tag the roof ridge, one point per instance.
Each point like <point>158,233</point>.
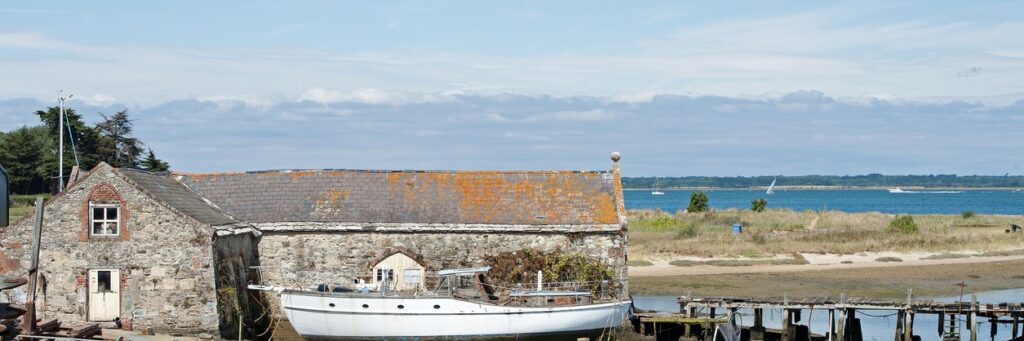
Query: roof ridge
<point>413,171</point>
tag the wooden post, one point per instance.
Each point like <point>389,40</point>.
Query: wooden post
<point>29,319</point>
<point>841,333</point>
<point>900,316</point>
<point>1016,322</point>
<point>787,326</point>
<point>712,313</point>
<point>908,329</point>
<point>972,326</point>
<point>831,325</point>
<point>757,331</point>
<point>971,321</point>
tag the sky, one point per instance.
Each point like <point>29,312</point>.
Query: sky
<point>679,88</point>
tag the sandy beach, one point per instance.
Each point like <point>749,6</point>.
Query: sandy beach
<point>863,278</point>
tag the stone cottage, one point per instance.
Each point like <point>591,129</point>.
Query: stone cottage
<point>137,248</point>
<point>172,250</point>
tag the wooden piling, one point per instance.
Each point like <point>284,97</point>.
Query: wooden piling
<point>787,326</point>
<point>831,325</point>
<point>757,331</point>
<point>1016,323</point>
<point>900,315</point>
<point>973,317</point>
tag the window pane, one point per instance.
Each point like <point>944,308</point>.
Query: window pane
<point>112,227</point>
<point>103,281</point>
<point>379,275</point>
<point>97,228</point>
<point>97,213</point>
<point>412,276</point>
<point>111,213</point>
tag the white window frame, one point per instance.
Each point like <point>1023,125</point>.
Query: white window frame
<point>380,275</point>
<point>105,220</point>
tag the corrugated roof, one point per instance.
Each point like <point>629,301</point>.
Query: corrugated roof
<point>456,197</point>
<point>168,190</point>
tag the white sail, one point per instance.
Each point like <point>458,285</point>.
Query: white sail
<point>656,191</point>
<point>771,188</point>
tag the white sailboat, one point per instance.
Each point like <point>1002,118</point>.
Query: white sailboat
<point>450,311</point>
<point>656,191</point>
<point>771,188</point>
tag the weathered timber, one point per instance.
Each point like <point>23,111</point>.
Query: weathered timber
<point>86,330</point>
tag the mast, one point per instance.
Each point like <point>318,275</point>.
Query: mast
<point>60,132</point>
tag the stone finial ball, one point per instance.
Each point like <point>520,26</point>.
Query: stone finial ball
<point>616,156</point>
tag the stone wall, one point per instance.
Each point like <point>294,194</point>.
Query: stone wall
<point>167,277</point>
<point>306,259</point>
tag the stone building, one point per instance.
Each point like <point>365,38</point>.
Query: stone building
<point>138,248</point>
<point>177,246</point>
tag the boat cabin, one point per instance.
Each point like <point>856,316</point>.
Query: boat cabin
<point>401,272</point>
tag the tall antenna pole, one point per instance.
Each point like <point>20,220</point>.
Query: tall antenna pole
<point>60,153</point>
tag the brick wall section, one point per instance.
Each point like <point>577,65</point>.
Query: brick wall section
<point>166,262</point>
<point>105,192</point>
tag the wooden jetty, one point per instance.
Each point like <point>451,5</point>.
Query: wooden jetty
<point>698,317</point>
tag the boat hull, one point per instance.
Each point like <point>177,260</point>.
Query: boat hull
<point>333,316</point>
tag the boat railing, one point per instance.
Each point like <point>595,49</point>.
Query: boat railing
<point>443,283</point>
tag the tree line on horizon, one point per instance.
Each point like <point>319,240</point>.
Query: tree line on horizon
<point>30,153</point>
<point>869,180</point>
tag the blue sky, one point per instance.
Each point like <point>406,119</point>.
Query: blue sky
<point>680,88</point>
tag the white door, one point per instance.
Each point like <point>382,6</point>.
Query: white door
<point>104,294</point>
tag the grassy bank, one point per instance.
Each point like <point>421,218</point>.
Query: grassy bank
<point>22,205</point>
<point>661,235</point>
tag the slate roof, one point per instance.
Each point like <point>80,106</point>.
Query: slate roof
<point>452,197</point>
<point>168,190</point>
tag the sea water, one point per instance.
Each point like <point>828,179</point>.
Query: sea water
<point>875,324</point>
<point>854,200</point>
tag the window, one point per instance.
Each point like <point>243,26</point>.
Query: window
<point>390,274</point>
<point>412,276</point>
<point>103,283</point>
<point>104,219</point>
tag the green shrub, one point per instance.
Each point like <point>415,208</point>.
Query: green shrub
<point>903,224</point>
<point>758,205</point>
<point>968,214</point>
<point>687,231</point>
<point>698,202</point>
<point>888,259</point>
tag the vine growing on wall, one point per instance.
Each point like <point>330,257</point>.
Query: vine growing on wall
<point>520,268</point>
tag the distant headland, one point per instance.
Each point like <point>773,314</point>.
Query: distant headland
<point>830,181</point>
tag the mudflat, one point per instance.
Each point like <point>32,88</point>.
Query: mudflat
<point>866,281</point>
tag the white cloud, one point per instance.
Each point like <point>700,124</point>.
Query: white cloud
<point>98,99</point>
<point>368,96</point>
<point>583,115</point>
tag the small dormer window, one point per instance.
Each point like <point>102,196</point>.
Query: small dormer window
<point>104,219</point>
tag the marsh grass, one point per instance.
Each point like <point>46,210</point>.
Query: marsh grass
<point>888,259</point>
<point>796,259</point>
<point>784,231</point>
<point>946,255</point>
<point>639,263</point>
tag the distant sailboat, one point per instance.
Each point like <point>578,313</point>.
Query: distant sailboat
<point>771,188</point>
<point>656,191</point>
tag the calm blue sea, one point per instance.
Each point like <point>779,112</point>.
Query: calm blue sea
<point>853,200</point>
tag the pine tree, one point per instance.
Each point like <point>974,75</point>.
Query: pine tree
<point>21,153</point>
<point>117,146</point>
<point>152,164</point>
